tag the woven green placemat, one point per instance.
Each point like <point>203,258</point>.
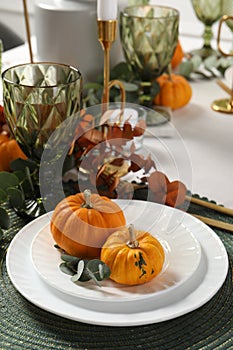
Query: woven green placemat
<point>25,326</point>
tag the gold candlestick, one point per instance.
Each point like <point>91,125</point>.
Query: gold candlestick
<point>107,35</point>
<point>26,17</point>
<point>224,105</point>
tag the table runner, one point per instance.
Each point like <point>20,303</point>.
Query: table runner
<point>25,326</point>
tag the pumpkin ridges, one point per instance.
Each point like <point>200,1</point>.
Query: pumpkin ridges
<point>132,264</point>
<point>83,231</point>
<point>175,91</point>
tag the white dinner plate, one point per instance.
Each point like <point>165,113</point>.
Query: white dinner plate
<point>182,260</point>
<point>212,273</point>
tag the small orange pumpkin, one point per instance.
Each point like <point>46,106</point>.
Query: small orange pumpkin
<point>9,151</point>
<point>81,223</point>
<point>133,256</point>
<point>175,91</point>
<point>177,56</point>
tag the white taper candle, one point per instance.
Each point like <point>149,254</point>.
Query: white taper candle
<point>106,10</point>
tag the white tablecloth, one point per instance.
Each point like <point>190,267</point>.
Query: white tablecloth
<point>197,147</point>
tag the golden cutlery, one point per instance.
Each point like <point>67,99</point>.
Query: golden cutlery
<point>215,223</point>
<point>210,205</point>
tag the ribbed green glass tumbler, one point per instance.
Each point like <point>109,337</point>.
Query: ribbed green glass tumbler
<point>208,12</point>
<point>149,36</point>
<point>37,98</point>
<point>228,10</point>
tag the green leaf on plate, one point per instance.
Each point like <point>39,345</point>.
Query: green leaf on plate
<point>99,269</point>
<point>4,219</point>
<point>8,180</point>
<point>80,268</point>
<point>63,267</point>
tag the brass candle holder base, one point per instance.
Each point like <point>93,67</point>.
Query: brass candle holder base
<point>223,106</point>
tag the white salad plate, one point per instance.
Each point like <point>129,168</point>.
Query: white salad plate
<point>182,260</point>
<point>194,289</point>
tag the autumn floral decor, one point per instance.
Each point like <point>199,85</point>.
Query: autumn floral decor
<point>107,162</point>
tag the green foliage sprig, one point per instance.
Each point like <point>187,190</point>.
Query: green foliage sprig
<point>82,270</point>
<point>20,190</point>
<point>193,67</point>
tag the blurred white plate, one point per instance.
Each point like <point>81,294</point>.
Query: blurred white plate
<point>210,277</point>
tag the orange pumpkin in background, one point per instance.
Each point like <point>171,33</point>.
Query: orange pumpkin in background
<point>81,223</point>
<point>177,56</point>
<point>9,151</point>
<point>133,256</point>
<point>175,91</point>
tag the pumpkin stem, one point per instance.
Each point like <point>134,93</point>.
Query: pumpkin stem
<point>169,71</point>
<point>87,204</point>
<point>133,243</point>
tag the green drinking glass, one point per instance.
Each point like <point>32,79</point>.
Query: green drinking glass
<point>208,12</point>
<point>37,98</point>
<point>149,36</point>
<point>227,9</point>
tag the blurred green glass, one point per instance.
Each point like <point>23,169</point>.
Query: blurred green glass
<point>149,36</point>
<point>208,12</point>
<point>37,98</point>
<point>227,9</point>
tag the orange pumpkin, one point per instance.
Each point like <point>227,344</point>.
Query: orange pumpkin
<point>175,91</point>
<point>81,223</point>
<point>133,256</point>
<point>9,151</point>
<point>177,56</point>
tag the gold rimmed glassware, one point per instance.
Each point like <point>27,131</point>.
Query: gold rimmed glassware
<point>208,12</point>
<point>149,36</point>
<point>37,98</point>
<point>227,9</point>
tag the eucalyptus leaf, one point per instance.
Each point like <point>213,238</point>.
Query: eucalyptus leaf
<point>3,196</point>
<point>21,164</point>
<point>65,269</point>
<point>70,258</point>
<point>16,198</point>
<point>93,277</point>
<point>4,219</point>
<point>210,62</point>
<point>20,175</point>
<point>130,87</point>
<point>196,61</point>
<point>8,180</point>
<point>80,269</point>
<point>94,267</point>
<point>186,68</point>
